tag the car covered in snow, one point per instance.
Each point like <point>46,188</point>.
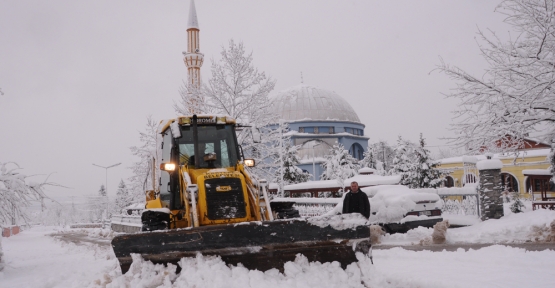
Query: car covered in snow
<point>398,208</point>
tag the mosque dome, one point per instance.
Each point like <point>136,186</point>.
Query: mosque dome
<point>304,102</point>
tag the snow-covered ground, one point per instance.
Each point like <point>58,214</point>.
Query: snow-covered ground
<point>34,259</point>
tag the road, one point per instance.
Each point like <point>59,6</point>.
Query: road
<point>80,238</point>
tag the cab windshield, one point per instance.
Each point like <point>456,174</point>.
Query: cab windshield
<point>217,146</point>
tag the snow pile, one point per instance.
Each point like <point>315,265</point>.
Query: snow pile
<point>533,226</point>
<point>211,271</point>
<point>339,222</point>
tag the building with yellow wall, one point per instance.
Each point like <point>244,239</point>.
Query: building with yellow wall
<point>462,170</point>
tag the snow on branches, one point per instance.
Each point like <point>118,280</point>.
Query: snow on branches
<point>516,95</point>
<point>16,193</point>
<point>142,169</point>
<point>415,166</point>
<point>339,165</point>
<point>291,174</point>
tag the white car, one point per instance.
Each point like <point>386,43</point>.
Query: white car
<point>398,208</point>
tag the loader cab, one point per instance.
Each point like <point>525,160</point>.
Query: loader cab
<point>217,146</point>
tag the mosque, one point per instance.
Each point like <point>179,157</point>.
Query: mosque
<point>318,118</point>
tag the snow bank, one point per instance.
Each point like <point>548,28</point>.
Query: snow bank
<point>211,271</point>
<point>339,222</point>
<point>512,228</point>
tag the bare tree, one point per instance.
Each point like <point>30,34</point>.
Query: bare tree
<point>516,95</point>
<point>16,193</point>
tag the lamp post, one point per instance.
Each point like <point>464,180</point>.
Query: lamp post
<point>107,167</point>
<point>314,163</point>
<point>107,173</point>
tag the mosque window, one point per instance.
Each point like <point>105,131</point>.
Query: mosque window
<point>324,130</point>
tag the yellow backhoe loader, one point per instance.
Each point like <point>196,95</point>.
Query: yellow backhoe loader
<point>207,202</point>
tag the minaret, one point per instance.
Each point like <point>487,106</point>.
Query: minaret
<point>193,58</point>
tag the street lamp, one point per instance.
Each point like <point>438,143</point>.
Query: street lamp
<point>107,173</point>
<point>313,163</point>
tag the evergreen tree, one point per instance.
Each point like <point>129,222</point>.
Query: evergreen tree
<point>102,191</point>
<point>369,159</point>
<point>403,162</point>
<point>339,165</point>
<point>122,196</point>
<point>517,206</point>
<point>426,174</point>
<point>291,173</point>
<point>415,166</point>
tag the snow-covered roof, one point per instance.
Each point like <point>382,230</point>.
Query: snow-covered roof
<point>304,102</point>
<point>523,153</point>
<point>193,20</point>
<point>363,180</point>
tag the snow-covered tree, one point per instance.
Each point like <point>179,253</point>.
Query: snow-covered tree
<point>426,174</point>
<point>404,161</point>
<point>102,191</point>
<point>516,94</point>
<point>369,159</point>
<point>517,206</point>
<point>236,88</point>
<point>141,180</point>
<point>384,154</point>
<point>122,197</point>
<point>16,193</point>
<point>339,165</point>
<point>291,173</point>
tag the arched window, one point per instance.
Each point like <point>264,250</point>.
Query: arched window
<point>357,151</point>
<point>509,182</point>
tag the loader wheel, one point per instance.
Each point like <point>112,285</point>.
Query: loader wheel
<point>285,210</point>
<point>153,220</point>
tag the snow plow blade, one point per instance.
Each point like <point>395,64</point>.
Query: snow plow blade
<point>257,245</point>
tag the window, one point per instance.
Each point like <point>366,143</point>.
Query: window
<point>449,182</point>
<point>509,183</point>
<point>212,139</point>
<point>332,130</point>
<point>308,129</point>
<point>315,130</point>
<point>323,130</point>
<point>301,129</point>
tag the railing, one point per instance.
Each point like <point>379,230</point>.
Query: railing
<point>126,223</point>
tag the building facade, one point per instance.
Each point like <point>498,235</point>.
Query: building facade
<point>317,120</point>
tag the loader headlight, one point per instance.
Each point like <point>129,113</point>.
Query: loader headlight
<point>249,162</point>
<point>167,166</point>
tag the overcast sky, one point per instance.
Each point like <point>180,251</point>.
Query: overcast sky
<point>80,77</point>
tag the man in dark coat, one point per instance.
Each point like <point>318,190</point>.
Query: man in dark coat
<point>356,201</point>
